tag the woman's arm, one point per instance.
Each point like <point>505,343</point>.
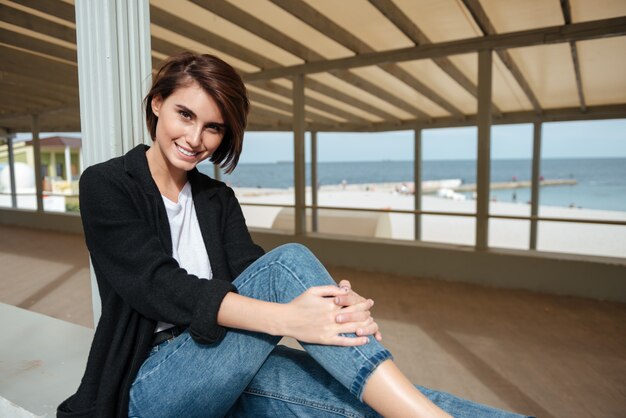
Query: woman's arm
<point>311,317</point>
<point>319,315</point>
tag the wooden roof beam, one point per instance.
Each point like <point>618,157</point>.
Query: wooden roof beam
<point>37,24</point>
<point>265,31</point>
<point>37,45</point>
<point>549,115</point>
<point>567,16</point>
<point>38,67</point>
<point>322,24</point>
<point>167,20</point>
<point>56,8</point>
<point>543,36</point>
<point>485,25</point>
<point>167,48</point>
<point>400,20</point>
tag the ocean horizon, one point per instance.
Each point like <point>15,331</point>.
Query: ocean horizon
<point>601,182</point>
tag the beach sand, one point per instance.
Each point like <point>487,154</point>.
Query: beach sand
<point>566,237</point>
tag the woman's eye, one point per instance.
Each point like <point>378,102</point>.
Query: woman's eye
<point>214,128</point>
<point>184,114</point>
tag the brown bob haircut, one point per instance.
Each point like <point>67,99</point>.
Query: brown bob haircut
<point>221,82</point>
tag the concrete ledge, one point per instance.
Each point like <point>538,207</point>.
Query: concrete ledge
<point>601,278</point>
<point>43,360</point>
<point>60,222</point>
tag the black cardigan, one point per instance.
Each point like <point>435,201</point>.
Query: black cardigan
<point>128,236</point>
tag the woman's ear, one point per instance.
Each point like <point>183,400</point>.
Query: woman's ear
<point>156,103</point>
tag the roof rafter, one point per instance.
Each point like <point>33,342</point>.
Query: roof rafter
<point>322,24</point>
<point>35,23</point>
<point>567,16</point>
<point>555,34</point>
<point>37,45</point>
<point>37,67</point>
<point>265,31</point>
<point>549,115</point>
<point>164,19</point>
<point>54,8</point>
<point>167,48</point>
<point>396,16</point>
<point>485,25</point>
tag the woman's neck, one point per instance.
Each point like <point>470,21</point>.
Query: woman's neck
<point>169,180</point>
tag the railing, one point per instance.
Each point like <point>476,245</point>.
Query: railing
<point>417,213</point>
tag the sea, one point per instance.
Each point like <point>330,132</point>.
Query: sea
<point>600,182</point>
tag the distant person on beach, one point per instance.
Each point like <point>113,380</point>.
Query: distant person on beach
<point>192,309</point>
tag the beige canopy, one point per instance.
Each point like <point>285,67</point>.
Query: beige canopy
<point>554,60</point>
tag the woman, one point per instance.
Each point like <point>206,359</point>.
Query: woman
<point>184,335</point>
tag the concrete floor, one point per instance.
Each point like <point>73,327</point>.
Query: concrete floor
<point>543,355</point>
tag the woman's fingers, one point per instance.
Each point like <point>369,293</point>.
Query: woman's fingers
<point>349,299</point>
<point>347,314</point>
<point>326,291</point>
<point>345,283</point>
<point>359,316</point>
<point>363,328</point>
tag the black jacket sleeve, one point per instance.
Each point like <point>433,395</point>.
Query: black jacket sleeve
<point>241,251</point>
<point>126,252</point>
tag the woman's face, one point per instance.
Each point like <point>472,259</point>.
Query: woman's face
<point>189,127</point>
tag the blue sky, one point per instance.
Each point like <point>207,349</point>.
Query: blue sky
<point>560,140</point>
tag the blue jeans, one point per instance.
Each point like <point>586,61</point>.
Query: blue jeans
<point>247,374</point>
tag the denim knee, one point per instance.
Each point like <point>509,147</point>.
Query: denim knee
<point>292,251</point>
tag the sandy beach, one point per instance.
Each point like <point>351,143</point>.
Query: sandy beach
<point>591,239</point>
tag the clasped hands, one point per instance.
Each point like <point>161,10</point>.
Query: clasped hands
<point>323,314</point>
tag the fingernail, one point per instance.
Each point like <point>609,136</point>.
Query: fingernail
<point>339,318</point>
<point>337,300</point>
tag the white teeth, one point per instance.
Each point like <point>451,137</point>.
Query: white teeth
<point>187,153</point>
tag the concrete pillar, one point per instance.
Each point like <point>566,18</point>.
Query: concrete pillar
<point>37,164</point>
<point>298,156</point>
<point>484,148</point>
<point>217,173</point>
<point>114,75</point>
<point>417,181</point>
<point>535,184</point>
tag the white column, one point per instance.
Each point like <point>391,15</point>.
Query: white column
<point>114,74</point>
<point>68,164</point>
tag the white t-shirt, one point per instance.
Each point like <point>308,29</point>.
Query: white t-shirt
<point>187,243</point>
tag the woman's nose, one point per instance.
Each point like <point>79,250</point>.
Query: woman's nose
<point>194,137</point>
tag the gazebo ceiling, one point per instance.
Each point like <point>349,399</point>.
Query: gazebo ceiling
<point>548,65</point>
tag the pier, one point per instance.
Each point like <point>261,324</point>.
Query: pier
<point>432,186</point>
<point>517,185</point>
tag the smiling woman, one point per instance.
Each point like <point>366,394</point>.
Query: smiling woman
<point>192,309</point>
